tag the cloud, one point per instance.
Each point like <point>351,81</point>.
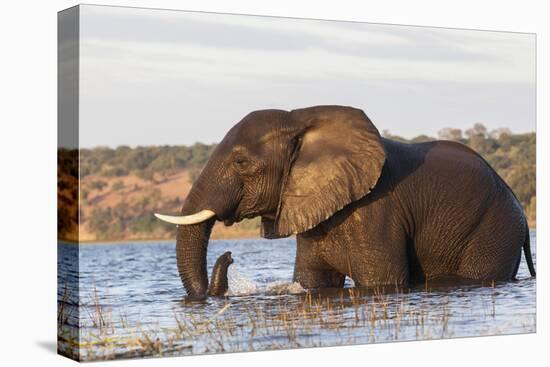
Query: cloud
<point>145,64</point>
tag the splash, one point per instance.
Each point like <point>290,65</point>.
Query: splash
<point>285,288</point>
<point>240,285</point>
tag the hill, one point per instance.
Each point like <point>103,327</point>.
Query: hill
<point>122,187</point>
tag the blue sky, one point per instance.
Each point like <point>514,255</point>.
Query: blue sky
<point>152,77</point>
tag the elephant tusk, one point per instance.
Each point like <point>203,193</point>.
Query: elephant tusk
<point>187,219</point>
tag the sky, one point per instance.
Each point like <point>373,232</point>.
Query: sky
<point>155,77</point>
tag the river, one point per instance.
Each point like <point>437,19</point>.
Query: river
<point>130,300</point>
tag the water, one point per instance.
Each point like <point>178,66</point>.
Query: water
<point>131,304</point>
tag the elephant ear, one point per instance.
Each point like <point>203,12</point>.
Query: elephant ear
<point>337,159</point>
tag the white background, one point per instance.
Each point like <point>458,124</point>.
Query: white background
<point>28,181</point>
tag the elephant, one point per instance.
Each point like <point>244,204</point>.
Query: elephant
<point>219,283</point>
<point>378,211</point>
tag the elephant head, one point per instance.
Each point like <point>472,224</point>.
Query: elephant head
<point>294,169</point>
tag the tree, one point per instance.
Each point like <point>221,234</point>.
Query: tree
<point>119,185</point>
<point>98,185</point>
<point>505,141</point>
<point>497,133</point>
<point>531,210</point>
<point>100,219</point>
<point>450,133</point>
<point>477,129</point>
<point>115,171</point>
<point>387,134</point>
<point>146,174</point>
<point>482,145</point>
<point>422,139</point>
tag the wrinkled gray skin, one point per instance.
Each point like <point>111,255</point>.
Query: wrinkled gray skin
<point>219,284</point>
<point>379,211</point>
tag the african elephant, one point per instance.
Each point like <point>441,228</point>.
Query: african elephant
<point>219,283</point>
<point>379,211</point>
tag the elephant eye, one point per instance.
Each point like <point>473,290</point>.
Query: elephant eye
<point>240,161</point>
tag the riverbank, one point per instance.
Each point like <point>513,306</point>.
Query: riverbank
<point>219,232</point>
<point>240,235</point>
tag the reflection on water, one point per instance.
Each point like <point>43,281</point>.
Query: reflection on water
<point>131,304</point>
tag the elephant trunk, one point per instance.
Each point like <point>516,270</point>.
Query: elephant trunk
<point>191,248</point>
<point>208,203</point>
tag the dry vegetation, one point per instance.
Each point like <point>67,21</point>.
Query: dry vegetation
<point>67,194</point>
<point>122,187</point>
<point>309,320</point>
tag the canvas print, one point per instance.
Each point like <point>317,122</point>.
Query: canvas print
<point>238,183</point>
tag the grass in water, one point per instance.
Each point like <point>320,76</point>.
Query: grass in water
<point>351,316</point>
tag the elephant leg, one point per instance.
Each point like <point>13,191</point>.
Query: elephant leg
<point>311,271</point>
<point>494,251</point>
<point>516,268</point>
